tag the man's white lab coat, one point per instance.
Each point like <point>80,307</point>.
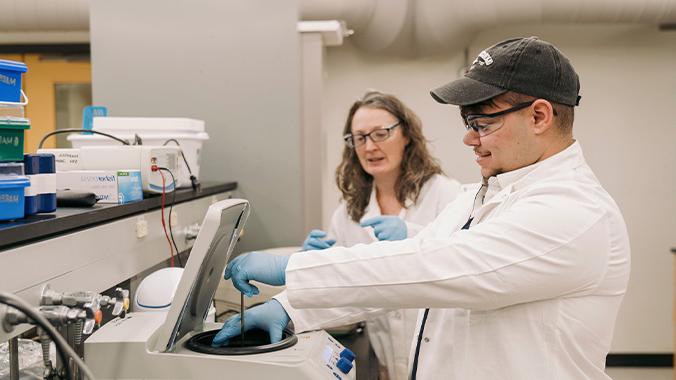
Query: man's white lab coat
<point>530,291</point>
<point>391,334</point>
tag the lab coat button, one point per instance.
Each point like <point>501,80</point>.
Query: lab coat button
<point>347,354</point>
<point>344,365</point>
<point>427,340</point>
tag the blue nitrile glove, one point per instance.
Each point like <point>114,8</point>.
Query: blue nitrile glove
<point>387,227</point>
<point>262,267</point>
<point>314,241</point>
<point>270,317</point>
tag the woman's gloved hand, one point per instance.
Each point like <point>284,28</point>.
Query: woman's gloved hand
<point>262,267</point>
<point>270,317</point>
<point>315,241</point>
<point>387,227</point>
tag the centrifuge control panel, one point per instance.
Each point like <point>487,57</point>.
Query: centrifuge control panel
<point>337,359</point>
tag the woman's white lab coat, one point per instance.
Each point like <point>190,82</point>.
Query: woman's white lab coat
<point>530,291</point>
<point>391,334</point>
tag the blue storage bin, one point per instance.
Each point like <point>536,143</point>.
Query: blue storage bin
<point>40,196</point>
<point>10,80</point>
<point>12,197</point>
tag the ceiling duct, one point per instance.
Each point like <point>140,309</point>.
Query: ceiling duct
<point>44,15</point>
<point>409,27</point>
<point>44,21</point>
<point>414,27</point>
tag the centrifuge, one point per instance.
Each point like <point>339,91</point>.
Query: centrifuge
<point>177,344</point>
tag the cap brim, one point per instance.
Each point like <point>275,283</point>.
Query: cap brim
<point>465,91</point>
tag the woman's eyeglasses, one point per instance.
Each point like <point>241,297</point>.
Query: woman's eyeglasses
<point>376,135</point>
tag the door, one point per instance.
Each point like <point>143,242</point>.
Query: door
<point>57,87</point>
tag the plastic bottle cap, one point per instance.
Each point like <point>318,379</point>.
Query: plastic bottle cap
<point>347,354</point>
<point>344,365</point>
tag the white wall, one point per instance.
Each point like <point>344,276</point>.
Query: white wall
<point>234,64</point>
<point>625,124</point>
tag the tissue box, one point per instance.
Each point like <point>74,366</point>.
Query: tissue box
<point>110,186</point>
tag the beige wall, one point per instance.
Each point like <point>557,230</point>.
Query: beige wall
<point>625,124</point>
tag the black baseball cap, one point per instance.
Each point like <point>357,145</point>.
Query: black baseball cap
<point>529,66</point>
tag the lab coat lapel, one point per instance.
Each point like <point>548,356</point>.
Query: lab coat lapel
<point>491,204</point>
<point>372,210</point>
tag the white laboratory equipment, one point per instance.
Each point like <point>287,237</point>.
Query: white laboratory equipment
<point>177,344</point>
<point>156,292</point>
<point>189,134</point>
<point>124,157</point>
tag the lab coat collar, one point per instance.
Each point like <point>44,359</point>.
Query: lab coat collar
<point>569,157</point>
<point>373,209</point>
<point>500,186</point>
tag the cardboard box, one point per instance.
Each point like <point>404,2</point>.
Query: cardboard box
<point>110,186</point>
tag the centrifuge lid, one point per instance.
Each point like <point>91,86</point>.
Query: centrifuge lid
<point>203,271</point>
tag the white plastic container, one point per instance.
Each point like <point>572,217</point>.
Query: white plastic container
<point>189,133</point>
<point>156,292</point>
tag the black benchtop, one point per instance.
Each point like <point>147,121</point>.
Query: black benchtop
<point>41,226</point>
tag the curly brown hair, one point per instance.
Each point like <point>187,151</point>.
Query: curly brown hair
<point>417,165</point>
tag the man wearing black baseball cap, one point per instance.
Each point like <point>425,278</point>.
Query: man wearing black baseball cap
<point>515,76</point>
<point>522,279</point>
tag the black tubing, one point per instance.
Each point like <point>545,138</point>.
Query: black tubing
<point>255,342</point>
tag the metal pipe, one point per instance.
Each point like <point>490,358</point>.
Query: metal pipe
<point>14,358</point>
<point>241,317</point>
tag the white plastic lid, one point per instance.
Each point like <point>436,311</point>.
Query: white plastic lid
<point>144,136</point>
<point>156,291</point>
<point>148,124</point>
<point>14,120</point>
<point>11,169</point>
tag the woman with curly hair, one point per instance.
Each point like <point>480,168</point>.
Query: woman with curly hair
<point>391,188</point>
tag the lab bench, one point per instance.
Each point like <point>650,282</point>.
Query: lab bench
<point>98,247</point>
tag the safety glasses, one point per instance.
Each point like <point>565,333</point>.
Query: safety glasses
<point>485,124</point>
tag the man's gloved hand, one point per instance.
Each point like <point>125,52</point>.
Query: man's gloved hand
<point>262,267</point>
<point>387,227</point>
<point>270,317</point>
<point>314,241</point>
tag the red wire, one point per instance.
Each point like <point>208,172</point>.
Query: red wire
<point>171,248</point>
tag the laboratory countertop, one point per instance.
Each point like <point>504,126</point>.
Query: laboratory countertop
<point>41,226</point>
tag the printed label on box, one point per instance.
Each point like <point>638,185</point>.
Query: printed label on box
<point>110,186</point>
